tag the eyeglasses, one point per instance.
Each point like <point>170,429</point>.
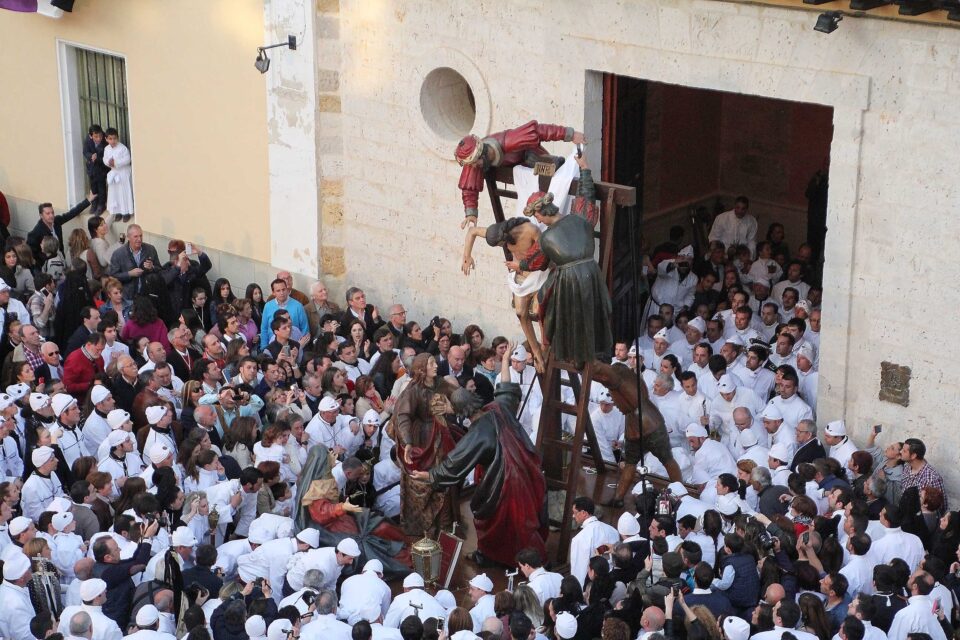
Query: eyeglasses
<point>54,353</point>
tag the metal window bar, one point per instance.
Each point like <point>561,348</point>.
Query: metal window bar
<point>102,92</point>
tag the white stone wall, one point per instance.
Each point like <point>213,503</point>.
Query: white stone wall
<point>894,87</point>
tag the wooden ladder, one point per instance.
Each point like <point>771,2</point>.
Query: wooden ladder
<point>551,441</point>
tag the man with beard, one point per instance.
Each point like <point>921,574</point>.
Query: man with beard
<point>675,284</point>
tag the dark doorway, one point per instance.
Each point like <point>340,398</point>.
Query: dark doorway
<point>690,152</point>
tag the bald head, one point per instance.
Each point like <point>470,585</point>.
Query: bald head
<point>83,568</point>
<point>652,619</point>
<point>156,352</point>
<point>205,415</point>
<point>774,594</point>
<point>456,356</point>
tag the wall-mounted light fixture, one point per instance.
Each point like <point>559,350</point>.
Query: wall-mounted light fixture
<point>262,63</point>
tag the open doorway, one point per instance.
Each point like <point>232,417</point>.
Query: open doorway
<point>691,153</point>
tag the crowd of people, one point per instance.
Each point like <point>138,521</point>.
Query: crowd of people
<point>177,456</point>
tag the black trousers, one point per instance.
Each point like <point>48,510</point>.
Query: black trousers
<point>98,184</point>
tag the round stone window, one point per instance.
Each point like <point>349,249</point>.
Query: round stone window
<point>447,104</point>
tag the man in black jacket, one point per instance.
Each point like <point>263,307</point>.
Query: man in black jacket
<point>96,171</point>
<point>51,224</point>
<point>202,574</point>
<point>808,446</point>
<point>134,260</point>
<point>116,572</point>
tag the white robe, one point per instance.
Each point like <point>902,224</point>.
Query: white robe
<point>360,589</point>
<point>715,459</point>
<point>324,559</point>
<point>897,543</point>
<point>38,492</point>
<point>119,179</point>
<point>842,452</point>
<point>544,583</point>
<point>71,444</point>
<point>481,611</point>
<point>326,627</point>
<point>593,533</point>
<point>723,410</point>
<point>608,428</point>
<point>672,414</point>
<point>916,617</point>
<point>761,381</point>
<point>103,627</point>
<point>386,473</point>
<point>16,613</point>
<point>95,431</point>
<point>270,560</point>
<point>400,608</point>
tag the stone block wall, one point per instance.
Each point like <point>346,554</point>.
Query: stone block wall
<point>893,87</point>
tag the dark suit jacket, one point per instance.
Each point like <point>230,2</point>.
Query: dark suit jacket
<point>40,230</point>
<point>716,601</point>
<point>443,369</point>
<point>95,168</point>
<point>123,261</point>
<point>124,393</point>
<point>371,325</point>
<point>179,365</point>
<point>808,453</point>
<point>76,341</point>
<point>203,577</point>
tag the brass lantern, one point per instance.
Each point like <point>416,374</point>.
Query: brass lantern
<point>426,555</point>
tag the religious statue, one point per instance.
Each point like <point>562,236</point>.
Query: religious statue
<point>508,503</point>
<point>423,438</point>
<point>622,384</point>
<point>319,506</point>
<point>503,149</point>
<point>574,302</point>
<point>522,239</point>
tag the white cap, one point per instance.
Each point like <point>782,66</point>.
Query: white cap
<point>736,628</point>
<point>446,600</point>
<point>255,626</point>
<point>604,397</point>
<point>413,581</point>
<point>696,430</point>
<point>18,525</point>
<point>762,281</point>
<point>725,384</point>
<point>728,504</point>
<point>39,401</point>
<point>736,340</point>
<point>748,438</point>
<point>310,537</point>
<point>770,412</point>
<point>61,402</point>
<point>482,582</point>
<point>780,452</point>
<point>806,350</point>
<point>371,417</point>
<point>632,351</point>
<point>661,335</point>
<point>59,505</point>
<point>366,609</point>
<point>15,566</point>
<point>258,533</point>
<point>19,390</point>
<point>279,629</point>
<point>686,252</point>
<point>519,354</point>
<point>677,489</point>
<point>62,520</point>
<point>90,589</point>
<point>147,615</point>
<point>328,404</point>
<point>183,537</point>
<point>565,626</point>
<point>627,524</point>
<point>698,324</point>
<point>41,455</point>
<point>373,565</point>
<point>155,413</point>
<point>349,547</point>
<point>99,393</point>
<point>803,304</point>
<point>464,634</point>
<point>5,401</point>
<point>117,418</point>
<point>837,429</point>
<point>159,452</point>
<point>116,438</point>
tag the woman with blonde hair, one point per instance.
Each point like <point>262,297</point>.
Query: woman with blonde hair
<point>526,601</point>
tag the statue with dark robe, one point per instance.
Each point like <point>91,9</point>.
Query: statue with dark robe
<point>508,504</point>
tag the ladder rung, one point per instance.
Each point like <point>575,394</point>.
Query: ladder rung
<point>558,442</point>
<point>565,366</point>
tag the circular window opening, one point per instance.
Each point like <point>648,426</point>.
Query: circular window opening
<point>447,104</point>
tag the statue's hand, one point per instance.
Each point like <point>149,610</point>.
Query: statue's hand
<point>468,221</point>
<point>468,265</point>
<point>420,476</point>
<point>579,138</point>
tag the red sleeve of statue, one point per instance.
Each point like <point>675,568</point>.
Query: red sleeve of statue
<point>471,184</point>
<point>535,260</point>
<point>324,512</point>
<point>530,135</point>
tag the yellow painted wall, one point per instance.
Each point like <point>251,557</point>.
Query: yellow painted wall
<point>197,113</point>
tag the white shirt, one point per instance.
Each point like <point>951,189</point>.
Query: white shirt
<point>228,553</point>
<point>672,417</point>
<point>95,431</point>
<point>722,409</point>
<point>692,407</point>
<point>481,611</point>
<point>759,454</point>
<point>103,627</point>
<point>17,611</point>
<point>842,451</point>
<point>777,632</point>
<point>339,433</point>
<point>544,583</point>
<point>897,543</point>
<point>38,492</point>
<point>593,533</point>
<point>400,608</point>
<point>715,459</point>
<point>360,589</point>
<point>324,559</point>
<point>326,627</point>
<point>669,289</point>
<point>360,368</point>
<point>386,473</point>
<point>71,443</point>
<point>809,386</point>
<point>916,617</point>
<point>270,559</point>
<point>149,634</point>
<point>761,380</point>
<point>785,435</point>
<point>609,429</point>
<point>731,231</point>
<point>859,574</point>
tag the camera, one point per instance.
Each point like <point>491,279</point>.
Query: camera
<point>766,542</point>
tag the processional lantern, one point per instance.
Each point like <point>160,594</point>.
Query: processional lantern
<point>426,555</point>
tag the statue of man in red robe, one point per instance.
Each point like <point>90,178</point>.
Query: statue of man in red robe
<point>503,149</point>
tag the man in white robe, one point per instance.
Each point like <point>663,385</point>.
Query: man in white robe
<point>841,446</point>
<point>730,396</point>
<point>523,374</point>
<point>709,454</point>
<point>791,406</point>
<point>481,594</point>
<point>413,594</point>
<point>593,533</point>
<point>608,425</point>
<point>917,616</point>
<point>736,227</point>
<point>368,585</point>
